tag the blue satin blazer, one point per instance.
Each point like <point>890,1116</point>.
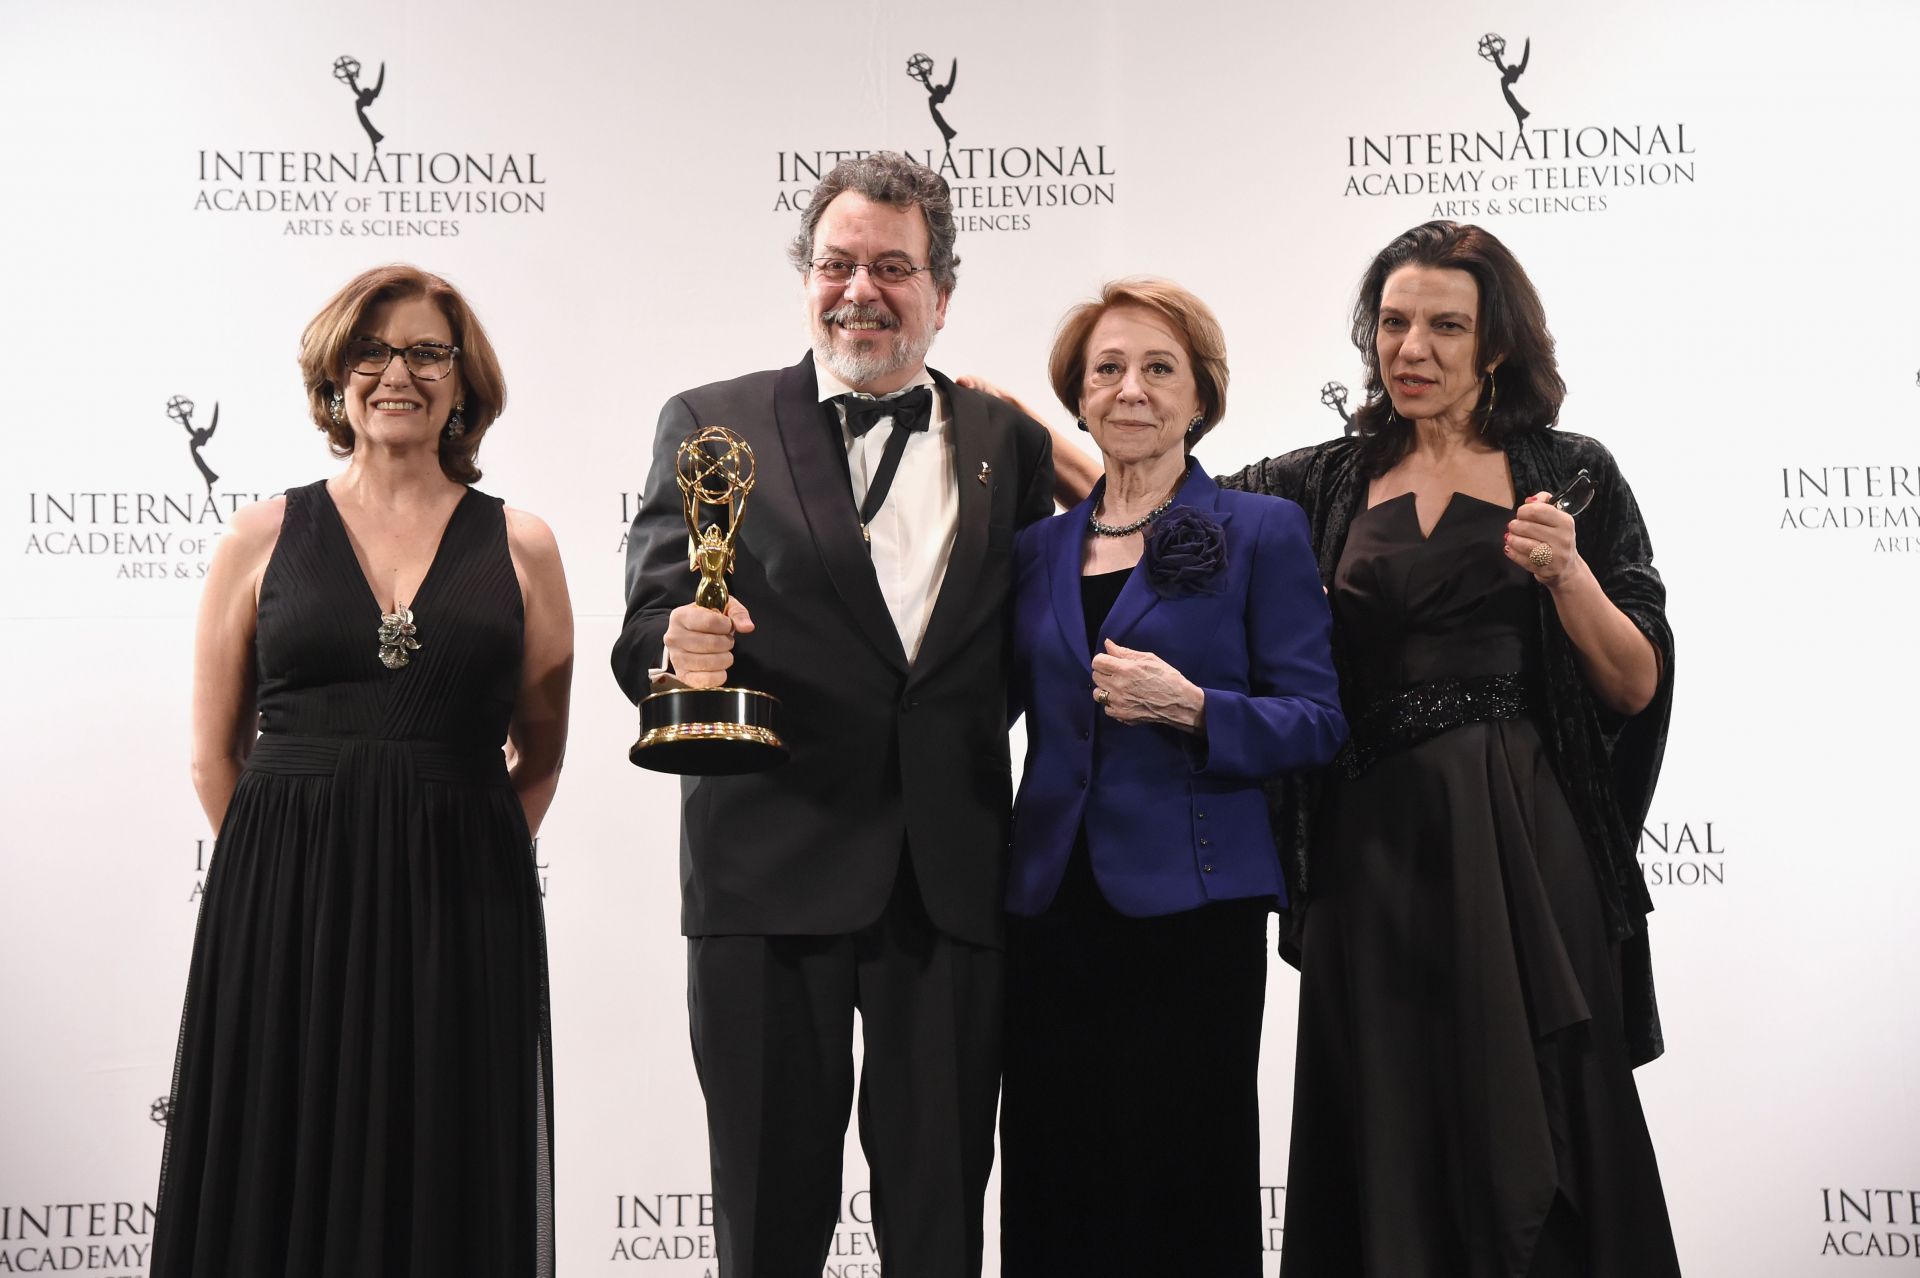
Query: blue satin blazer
<point>1173,821</point>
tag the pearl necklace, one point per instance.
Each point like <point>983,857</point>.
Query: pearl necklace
<point>1125,530</point>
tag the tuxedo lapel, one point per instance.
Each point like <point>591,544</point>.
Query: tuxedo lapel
<point>820,481</point>
<point>975,439</point>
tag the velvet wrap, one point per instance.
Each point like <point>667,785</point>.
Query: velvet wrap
<point>1606,763</point>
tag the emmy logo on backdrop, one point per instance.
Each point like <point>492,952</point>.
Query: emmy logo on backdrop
<point>346,69</point>
<point>710,731</point>
<point>1492,48</point>
<point>920,67</point>
<point>180,409</point>
<point>1334,396</point>
<point>161,1111</point>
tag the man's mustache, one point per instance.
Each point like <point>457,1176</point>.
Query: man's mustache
<point>853,312</point>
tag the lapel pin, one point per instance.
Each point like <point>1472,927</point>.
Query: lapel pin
<point>986,473</point>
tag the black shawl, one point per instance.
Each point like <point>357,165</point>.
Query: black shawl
<point>1606,764</point>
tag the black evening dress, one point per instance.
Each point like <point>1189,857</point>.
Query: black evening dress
<point>364,1078</point>
<point>1463,1102</point>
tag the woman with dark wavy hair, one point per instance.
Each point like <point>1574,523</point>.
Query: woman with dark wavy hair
<point>1469,915</point>
<point>364,1078</point>
<point>1465,904</point>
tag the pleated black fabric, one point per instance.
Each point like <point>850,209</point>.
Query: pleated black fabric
<point>364,1078</point>
<point>1464,1104</point>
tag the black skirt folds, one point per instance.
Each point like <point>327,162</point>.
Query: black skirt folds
<point>1463,1101</point>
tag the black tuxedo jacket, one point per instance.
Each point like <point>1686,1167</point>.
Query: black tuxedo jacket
<point>884,754</point>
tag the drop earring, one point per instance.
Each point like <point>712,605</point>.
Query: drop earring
<point>455,427</point>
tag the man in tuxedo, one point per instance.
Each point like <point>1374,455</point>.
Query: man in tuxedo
<point>870,595</point>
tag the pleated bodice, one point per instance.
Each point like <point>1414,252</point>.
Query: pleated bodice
<point>320,673</point>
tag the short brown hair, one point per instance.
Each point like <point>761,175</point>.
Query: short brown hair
<point>323,365</point>
<point>1189,317</point>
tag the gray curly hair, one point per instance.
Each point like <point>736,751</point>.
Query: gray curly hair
<point>886,177</point>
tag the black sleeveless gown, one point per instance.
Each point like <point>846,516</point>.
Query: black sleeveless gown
<point>364,1078</point>
<point>1463,1102</point>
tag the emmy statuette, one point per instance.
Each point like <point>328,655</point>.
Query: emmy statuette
<point>710,731</point>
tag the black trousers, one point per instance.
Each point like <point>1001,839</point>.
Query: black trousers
<point>1130,1120</point>
<point>772,1023</point>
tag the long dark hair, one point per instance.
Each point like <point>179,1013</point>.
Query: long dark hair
<point>1525,390</point>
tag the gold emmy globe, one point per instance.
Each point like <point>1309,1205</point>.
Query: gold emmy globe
<point>710,732</point>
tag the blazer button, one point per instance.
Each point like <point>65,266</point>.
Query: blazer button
<point>1207,868</point>
<point>1084,734</point>
<point>1200,816</point>
<point>1203,843</point>
<point>1083,783</point>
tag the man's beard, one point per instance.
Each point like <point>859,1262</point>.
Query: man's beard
<point>887,351</point>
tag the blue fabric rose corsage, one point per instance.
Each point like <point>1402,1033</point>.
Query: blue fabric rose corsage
<point>1186,554</point>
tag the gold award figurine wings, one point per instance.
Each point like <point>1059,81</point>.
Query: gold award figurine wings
<point>710,731</point>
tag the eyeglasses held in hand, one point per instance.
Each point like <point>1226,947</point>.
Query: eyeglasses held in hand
<point>887,273</point>
<point>429,361</point>
<point>1576,496</point>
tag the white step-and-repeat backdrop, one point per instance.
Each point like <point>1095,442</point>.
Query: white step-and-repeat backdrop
<point>1717,202</point>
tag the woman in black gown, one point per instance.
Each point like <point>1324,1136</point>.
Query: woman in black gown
<point>1475,989</point>
<point>1465,904</point>
<point>364,1078</point>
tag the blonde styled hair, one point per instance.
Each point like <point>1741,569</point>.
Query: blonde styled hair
<point>1191,320</point>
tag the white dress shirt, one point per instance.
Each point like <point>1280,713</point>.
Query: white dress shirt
<point>911,537</point>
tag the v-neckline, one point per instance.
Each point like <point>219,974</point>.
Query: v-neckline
<point>1427,534</point>
<point>372,593</point>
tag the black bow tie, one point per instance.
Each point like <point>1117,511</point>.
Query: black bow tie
<point>910,410</point>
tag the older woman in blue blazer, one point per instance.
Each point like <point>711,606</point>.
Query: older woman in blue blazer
<point>1170,655</point>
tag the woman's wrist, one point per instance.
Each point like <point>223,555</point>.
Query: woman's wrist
<point>1194,708</point>
<point>1576,581</point>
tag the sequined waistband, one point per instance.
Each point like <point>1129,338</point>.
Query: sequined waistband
<point>1428,709</point>
<point>282,754</point>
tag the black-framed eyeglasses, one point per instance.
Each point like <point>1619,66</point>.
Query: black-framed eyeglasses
<point>1576,496</point>
<point>887,273</point>
<point>429,361</point>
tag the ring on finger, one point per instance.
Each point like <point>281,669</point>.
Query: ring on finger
<point>1101,696</point>
<point>1541,555</point>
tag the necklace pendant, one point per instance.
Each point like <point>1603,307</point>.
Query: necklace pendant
<point>397,639</point>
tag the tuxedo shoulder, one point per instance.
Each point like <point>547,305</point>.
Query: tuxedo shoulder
<point>993,406</point>
<point>746,386</point>
<point>1041,533</point>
